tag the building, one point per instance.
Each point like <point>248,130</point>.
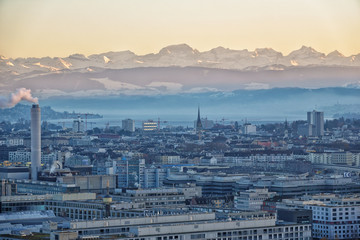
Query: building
<point>39,187</point>
<point>154,176</point>
<point>90,183</point>
<point>14,173</point>
<point>248,128</point>
<point>333,216</point>
<point>336,219</point>
<point>190,226</point>
<point>78,125</point>
<point>128,125</point>
<point>151,198</point>
<point>169,159</point>
<point>149,126</point>
<point>19,157</point>
<point>130,173</point>
<point>316,119</point>
<point>7,188</point>
<point>205,124</point>
<point>252,199</point>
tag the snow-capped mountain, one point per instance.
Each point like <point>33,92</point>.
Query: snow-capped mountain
<point>180,55</point>
<point>178,68</point>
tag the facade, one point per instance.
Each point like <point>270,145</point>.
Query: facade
<point>90,183</point>
<point>335,221</point>
<point>20,157</point>
<point>338,158</point>
<point>333,216</point>
<point>191,226</point>
<point>14,173</point>
<point>14,141</point>
<point>316,119</point>
<point>39,188</point>
<point>154,177</point>
<point>252,199</point>
<point>130,173</point>
<point>149,126</point>
<point>128,125</point>
<point>152,198</point>
<point>78,126</point>
<point>248,128</point>
<point>169,159</point>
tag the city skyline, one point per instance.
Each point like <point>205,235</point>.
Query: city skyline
<point>57,28</point>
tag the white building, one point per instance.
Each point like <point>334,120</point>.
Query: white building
<point>191,226</point>
<point>14,141</point>
<point>128,125</point>
<point>338,219</point>
<point>252,199</point>
<point>334,216</point>
<point>248,128</point>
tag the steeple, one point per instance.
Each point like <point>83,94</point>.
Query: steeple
<point>198,122</point>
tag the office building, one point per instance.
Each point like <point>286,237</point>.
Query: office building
<point>130,172</point>
<point>190,226</point>
<point>128,125</point>
<point>248,128</point>
<point>149,126</point>
<point>316,119</point>
<point>78,126</point>
<point>252,199</point>
<point>154,176</point>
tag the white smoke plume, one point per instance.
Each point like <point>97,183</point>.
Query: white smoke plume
<point>15,98</point>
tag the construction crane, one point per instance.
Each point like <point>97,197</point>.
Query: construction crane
<point>86,116</point>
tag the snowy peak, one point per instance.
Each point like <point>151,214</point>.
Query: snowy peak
<point>178,49</point>
<point>268,52</point>
<point>306,52</point>
<point>335,54</point>
<point>181,55</point>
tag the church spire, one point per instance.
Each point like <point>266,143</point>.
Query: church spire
<point>198,122</point>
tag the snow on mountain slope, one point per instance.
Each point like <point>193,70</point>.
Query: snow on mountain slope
<point>181,55</point>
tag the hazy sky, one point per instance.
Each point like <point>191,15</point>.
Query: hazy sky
<point>62,27</point>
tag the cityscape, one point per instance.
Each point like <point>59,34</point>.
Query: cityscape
<point>121,140</point>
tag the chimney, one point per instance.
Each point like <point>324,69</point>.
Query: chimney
<point>35,141</point>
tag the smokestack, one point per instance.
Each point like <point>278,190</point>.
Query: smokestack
<point>35,141</point>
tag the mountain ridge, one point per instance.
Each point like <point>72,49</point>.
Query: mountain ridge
<point>178,69</point>
<point>180,55</point>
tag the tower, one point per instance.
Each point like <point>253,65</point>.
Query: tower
<point>35,141</point>
<point>199,126</point>
<point>316,120</point>
<point>198,121</point>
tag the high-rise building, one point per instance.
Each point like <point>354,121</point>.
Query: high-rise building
<point>316,119</point>
<point>128,125</point>
<point>78,125</point>
<point>130,173</point>
<point>35,141</point>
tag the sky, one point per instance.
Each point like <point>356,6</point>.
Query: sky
<point>39,28</point>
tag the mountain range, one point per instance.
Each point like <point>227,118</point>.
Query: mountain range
<point>178,69</point>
